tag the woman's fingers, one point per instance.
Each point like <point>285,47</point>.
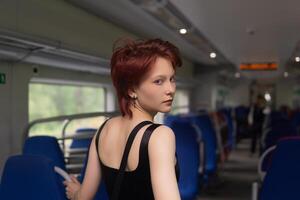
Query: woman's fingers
<point>74,179</point>
<point>71,187</point>
<point>68,195</point>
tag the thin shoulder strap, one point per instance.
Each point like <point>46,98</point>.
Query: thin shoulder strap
<point>145,141</point>
<point>97,137</point>
<point>144,149</point>
<point>117,186</point>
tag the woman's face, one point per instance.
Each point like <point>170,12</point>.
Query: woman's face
<point>157,89</point>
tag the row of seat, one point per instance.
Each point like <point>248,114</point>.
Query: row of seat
<point>279,164</point>
<point>198,147</point>
<point>276,126</point>
<point>282,179</point>
<point>192,134</point>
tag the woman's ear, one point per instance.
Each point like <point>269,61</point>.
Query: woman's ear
<point>132,94</point>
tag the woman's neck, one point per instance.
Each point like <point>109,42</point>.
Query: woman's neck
<point>138,114</point>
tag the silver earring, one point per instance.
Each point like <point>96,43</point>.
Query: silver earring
<point>134,98</point>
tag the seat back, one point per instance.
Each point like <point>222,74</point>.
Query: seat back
<point>45,146</point>
<point>241,119</point>
<point>30,177</point>
<point>83,143</point>
<point>169,119</point>
<point>283,178</point>
<point>281,129</point>
<point>274,118</point>
<point>208,136</point>
<point>229,121</point>
<point>241,113</point>
<point>187,149</point>
<point>296,121</point>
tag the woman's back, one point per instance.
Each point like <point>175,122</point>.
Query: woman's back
<point>112,140</point>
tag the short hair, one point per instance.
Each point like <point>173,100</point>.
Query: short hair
<point>132,60</point>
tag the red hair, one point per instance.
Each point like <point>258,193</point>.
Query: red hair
<point>132,60</point>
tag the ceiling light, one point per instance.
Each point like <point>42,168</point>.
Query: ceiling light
<point>182,31</point>
<point>213,55</point>
<point>297,59</point>
<point>268,97</point>
<point>237,75</point>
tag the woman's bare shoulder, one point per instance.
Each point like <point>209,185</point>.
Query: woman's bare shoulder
<point>163,129</point>
<point>108,124</point>
<point>162,135</point>
<point>115,118</point>
<point>114,121</point>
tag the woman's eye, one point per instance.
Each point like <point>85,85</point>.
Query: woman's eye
<point>173,79</point>
<point>159,82</point>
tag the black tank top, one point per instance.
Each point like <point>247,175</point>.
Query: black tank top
<point>136,185</point>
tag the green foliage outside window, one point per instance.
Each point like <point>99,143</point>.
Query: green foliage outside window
<point>49,100</point>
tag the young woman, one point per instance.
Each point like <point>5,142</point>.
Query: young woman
<point>143,74</point>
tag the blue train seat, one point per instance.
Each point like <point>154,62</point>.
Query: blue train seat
<point>169,119</point>
<point>296,121</point>
<point>45,146</point>
<point>280,129</point>
<point>241,118</point>
<point>83,143</point>
<point>208,136</point>
<point>31,177</point>
<point>187,149</point>
<point>283,178</point>
<point>229,121</point>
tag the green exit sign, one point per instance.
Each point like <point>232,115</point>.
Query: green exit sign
<point>2,78</point>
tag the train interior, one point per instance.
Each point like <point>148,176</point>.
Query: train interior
<point>235,114</point>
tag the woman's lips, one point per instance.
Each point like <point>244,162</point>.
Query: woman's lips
<point>168,101</point>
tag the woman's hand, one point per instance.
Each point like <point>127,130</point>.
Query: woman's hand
<point>72,187</point>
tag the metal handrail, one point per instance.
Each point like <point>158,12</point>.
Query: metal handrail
<point>78,136</point>
<point>67,119</point>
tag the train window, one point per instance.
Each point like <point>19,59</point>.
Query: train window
<point>180,105</point>
<point>49,100</point>
<point>180,102</point>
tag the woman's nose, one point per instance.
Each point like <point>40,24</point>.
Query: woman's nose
<point>171,88</point>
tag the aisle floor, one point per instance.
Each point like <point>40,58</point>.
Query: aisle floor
<point>237,176</point>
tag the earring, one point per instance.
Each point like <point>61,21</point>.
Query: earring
<point>134,97</point>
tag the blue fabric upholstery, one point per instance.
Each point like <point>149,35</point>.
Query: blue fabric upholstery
<point>241,112</point>
<point>241,117</point>
<point>296,121</point>
<point>229,121</point>
<point>169,119</point>
<point>187,149</point>
<point>283,178</point>
<point>208,136</point>
<point>274,118</point>
<point>267,161</point>
<point>83,143</point>
<point>30,177</point>
<point>45,146</point>
<point>278,130</point>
